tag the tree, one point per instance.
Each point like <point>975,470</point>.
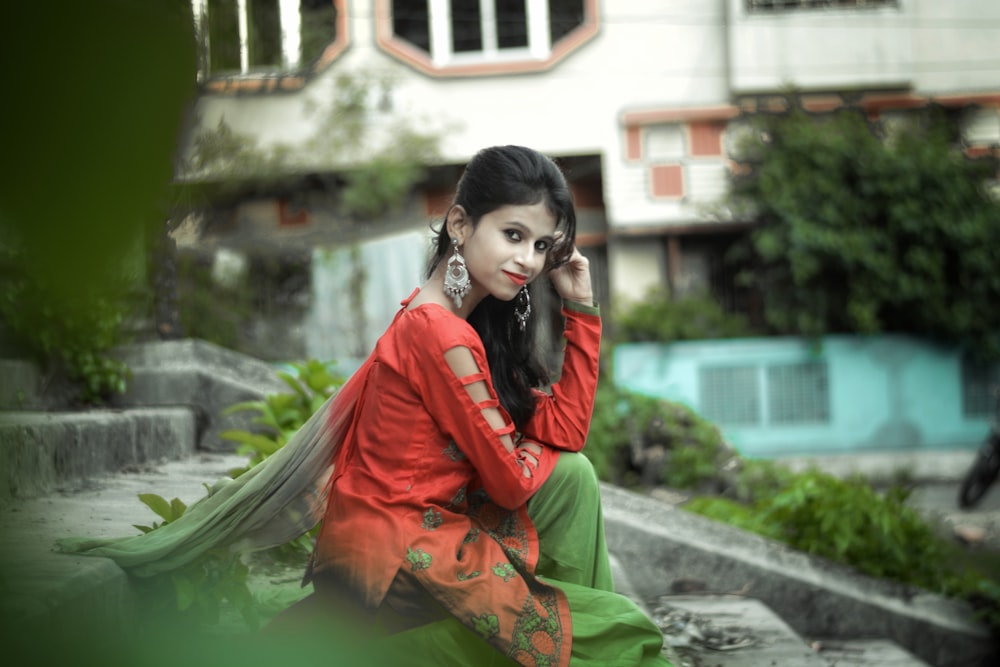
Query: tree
<point>865,227</point>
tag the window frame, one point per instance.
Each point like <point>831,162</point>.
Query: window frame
<point>443,61</point>
<point>279,77</point>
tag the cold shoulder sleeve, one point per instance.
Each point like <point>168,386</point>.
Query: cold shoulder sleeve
<point>562,418</point>
<point>450,371</point>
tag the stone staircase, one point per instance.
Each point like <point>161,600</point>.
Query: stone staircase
<point>724,598</point>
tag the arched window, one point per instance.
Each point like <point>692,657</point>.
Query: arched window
<point>475,37</point>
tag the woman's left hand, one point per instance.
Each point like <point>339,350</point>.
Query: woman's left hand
<point>572,279</point>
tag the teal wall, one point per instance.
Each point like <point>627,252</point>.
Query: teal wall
<point>777,397</point>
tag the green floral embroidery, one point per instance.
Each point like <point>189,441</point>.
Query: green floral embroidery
<point>453,453</point>
<point>419,559</point>
<point>458,499</point>
<point>505,571</point>
<point>432,519</point>
<point>487,625</point>
<point>472,536</point>
<point>538,630</point>
<point>465,577</point>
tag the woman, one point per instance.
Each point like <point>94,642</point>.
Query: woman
<point>459,491</point>
<point>462,525</point>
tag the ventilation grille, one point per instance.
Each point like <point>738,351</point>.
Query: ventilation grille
<point>798,394</point>
<point>730,395</point>
<point>795,394</point>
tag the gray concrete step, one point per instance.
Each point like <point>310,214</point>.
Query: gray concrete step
<point>661,546</point>
<point>202,376</point>
<point>729,631</point>
<point>736,631</point>
<point>43,451</point>
<point>866,653</point>
<point>53,588</point>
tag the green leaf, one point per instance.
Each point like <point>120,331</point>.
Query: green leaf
<point>159,505</point>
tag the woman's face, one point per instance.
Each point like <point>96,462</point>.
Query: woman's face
<point>508,248</point>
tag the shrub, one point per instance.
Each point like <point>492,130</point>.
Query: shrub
<point>659,317</point>
<point>636,439</point>
<point>68,337</point>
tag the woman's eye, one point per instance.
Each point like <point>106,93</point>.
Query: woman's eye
<point>543,246</point>
<point>513,235</point>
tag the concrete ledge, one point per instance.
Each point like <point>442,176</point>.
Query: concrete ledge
<point>203,377</point>
<point>658,544</point>
<point>924,466</point>
<point>41,451</point>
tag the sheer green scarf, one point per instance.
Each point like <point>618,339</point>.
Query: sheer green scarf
<point>272,503</point>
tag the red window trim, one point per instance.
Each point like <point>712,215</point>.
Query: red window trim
<point>421,61</point>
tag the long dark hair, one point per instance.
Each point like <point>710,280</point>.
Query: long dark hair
<point>512,176</point>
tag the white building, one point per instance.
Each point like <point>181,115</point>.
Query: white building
<point>635,95</point>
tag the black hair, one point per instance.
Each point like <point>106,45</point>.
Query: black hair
<point>512,176</point>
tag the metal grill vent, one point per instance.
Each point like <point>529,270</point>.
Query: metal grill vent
<point>798,393</point>
<point>730,394</point>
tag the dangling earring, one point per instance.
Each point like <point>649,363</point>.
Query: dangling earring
<point>522,309</point>
<point>456,278</point>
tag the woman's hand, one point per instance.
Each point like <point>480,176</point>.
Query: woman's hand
<point>572,279</point>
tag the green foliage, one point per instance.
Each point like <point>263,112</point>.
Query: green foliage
<point>69,335</point>
<point>659,317</point>
<point>198,590</point>
<point>848,521</point>
<point>282,415</point>
<point>636,439</point>
<point>865,228</point>
<point>73,232</point>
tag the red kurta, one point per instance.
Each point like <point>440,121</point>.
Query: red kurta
<point>422,482</point>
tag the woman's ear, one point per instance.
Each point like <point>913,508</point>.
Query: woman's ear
<point>458,223</point>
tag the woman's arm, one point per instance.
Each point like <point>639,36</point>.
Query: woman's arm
<point>562,419</point>
<point>452,376</point>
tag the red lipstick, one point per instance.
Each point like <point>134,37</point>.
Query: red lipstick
<point>516,278</point>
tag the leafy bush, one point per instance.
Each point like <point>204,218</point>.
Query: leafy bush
<point>635,439</point>
<point>282,415</point>
<point>867,227</point>
<point>843,520</point>
<point>659,317</point>
<point>197,591</point>
<point>69,338</point>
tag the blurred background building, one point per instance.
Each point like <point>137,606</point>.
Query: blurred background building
<point>639,100</point>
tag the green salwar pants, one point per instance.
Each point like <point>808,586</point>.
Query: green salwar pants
<point>609,630</point>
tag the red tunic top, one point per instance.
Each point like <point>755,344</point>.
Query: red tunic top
<point>423,481</point>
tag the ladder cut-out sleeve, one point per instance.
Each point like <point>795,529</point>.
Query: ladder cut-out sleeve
<point>451,374</point>
<point>562,418</point>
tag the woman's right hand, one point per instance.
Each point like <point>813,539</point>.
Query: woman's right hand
<point>572,279</point>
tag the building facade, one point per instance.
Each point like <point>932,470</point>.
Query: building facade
<point>640,99</point>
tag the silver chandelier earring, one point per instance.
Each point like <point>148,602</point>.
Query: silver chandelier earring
<point>456,278</point>
<point>522,309</point>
